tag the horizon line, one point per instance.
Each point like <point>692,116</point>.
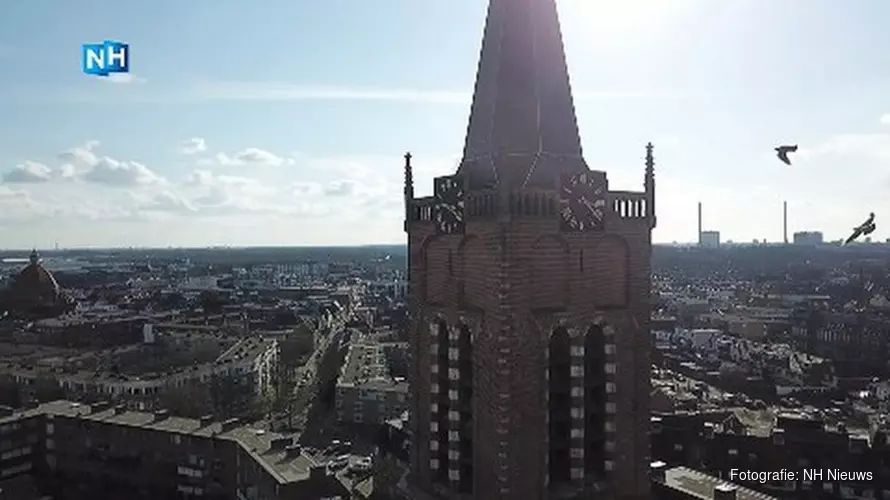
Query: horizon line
<point>367,245</point>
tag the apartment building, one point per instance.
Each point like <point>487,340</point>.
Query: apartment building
<point>252,360</point>
<point>78,451</point>
<point>367,392</point>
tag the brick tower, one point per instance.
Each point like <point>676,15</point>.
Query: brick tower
<point>529,293</point>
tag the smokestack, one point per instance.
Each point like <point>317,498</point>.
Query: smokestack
<point>785,221</point>
<point>699,223</point>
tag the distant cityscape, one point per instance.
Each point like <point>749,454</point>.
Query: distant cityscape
<point>183,364</point>
<point>711,238</point>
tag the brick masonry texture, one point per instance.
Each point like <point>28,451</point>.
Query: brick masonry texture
<point>550,278</point>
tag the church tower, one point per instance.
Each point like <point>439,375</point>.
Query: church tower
<point>529,293</point>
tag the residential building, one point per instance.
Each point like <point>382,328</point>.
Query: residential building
<point>250,361</point>
<point>367,391</point>
<point>683,483</point>
<point>844,459</point>
<point>97,451</point>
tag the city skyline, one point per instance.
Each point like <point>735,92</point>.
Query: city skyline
<point>307,145</point>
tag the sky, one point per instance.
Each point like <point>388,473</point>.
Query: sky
<point>284,122</point>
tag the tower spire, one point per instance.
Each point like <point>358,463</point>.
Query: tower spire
<point>649,182</point>
<point>650,163</point>
<point>522,129</point>
<point>409,188</point>
<point>409,177</point>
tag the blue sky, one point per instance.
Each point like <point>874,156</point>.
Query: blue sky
<point>284,121</point>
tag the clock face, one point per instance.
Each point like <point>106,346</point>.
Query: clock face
<point>583,201</point>
<point>448,213</point>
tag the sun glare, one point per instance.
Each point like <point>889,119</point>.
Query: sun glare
<point>614,22</point>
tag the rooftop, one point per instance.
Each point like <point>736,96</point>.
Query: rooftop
<point>702,486</point>
<point>104,317</point>
<point>246,349</point>
<point>762,422</point>
<point>144,362</point>
<point>258,443</point>
<point>367,366</point>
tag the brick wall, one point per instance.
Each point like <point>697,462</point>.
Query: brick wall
<point>512,283</point>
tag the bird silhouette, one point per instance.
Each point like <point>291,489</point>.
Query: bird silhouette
<point>863,229</point>
<point>783,153</point>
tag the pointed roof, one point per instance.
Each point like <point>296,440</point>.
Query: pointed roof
<point>522,129</point>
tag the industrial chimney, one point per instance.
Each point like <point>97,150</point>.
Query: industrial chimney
<point>785,221</point>
<point>699,223</point>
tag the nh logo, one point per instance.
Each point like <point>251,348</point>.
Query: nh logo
<point>102,59</point>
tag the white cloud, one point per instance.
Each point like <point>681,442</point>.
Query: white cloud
<point>95,213</point>
<point>226,194</point>
<point>304,189</point>
<point>340,188</point>
<point>84,163</point>
<point>123,200</point>
<point>29,172</point>
<point>8,194</point>
<point>201,178</point>
<point>342,167</point>
<point>248,156</point>
<point>168,201</point>
<point>16,204</point>
<point>192,146</point>
<point>206,178</point>
<point>113,172</point>
<point>886,119</point>
<point>81,155</point>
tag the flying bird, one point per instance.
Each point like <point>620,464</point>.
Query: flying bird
<point>863,229</point>
<point>783,153</point>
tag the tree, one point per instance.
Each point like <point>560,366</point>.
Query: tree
<point>232,395</point>
<point>10,393</point>
<point>47,389</point>
<point>262,406</point>
<point>212,302</point>
<point>190,400</point>
<point>283,380</point>
<point>174,300</point>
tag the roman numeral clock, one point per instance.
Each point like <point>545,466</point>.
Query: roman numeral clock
<point>448,211</point>
<point>582,198</point>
